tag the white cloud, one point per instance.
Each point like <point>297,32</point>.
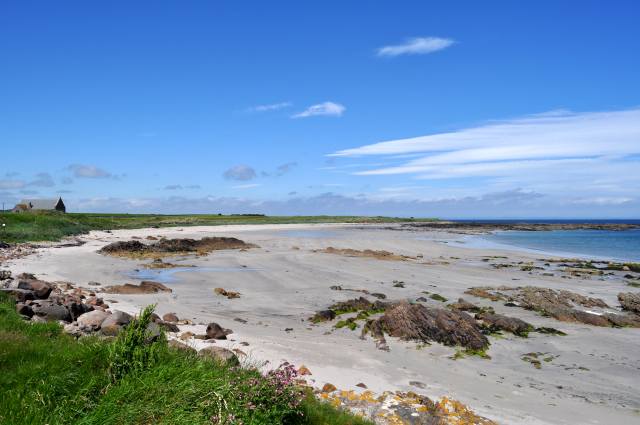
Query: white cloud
<point>246,186</point>
<point>326,109</point>
<point>12,184</point>
<point>240,172</point>
<point>559,152</point>
<point>416,46</point>
<point>269,107</point>
<point>89,171</point>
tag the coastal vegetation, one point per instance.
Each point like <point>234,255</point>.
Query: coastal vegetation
<point>52,226</point>
<point>47,376</point>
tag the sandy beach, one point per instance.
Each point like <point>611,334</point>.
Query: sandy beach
<point>593,377</point>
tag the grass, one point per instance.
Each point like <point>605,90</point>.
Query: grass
<point>52,226</point>
<point>48,377</point>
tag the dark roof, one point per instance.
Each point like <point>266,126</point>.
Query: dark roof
<point>41,204</point>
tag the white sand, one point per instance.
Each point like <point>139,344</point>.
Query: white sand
<point>281,287</point>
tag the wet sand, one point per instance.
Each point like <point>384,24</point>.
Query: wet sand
<point>594,377</point>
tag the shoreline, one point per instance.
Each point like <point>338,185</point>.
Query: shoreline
<point>289,280</point>
<point>480,241</point>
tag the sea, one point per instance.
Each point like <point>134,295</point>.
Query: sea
<point>609,245</point>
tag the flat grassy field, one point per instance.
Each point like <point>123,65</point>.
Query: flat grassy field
<point>48,377</point>
<point>52,226</point>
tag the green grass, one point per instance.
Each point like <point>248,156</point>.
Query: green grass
<point>52,226</point>
<point>48,377</point>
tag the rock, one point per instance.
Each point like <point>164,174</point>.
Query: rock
<point>153,332</point>
<point>38,319</point>
<point>417,322</point>
<point>24,310</point>
<point>20,295</point>
<point>630,301</point>
<point>170,317</point>
<point>421,300</point>
<point>92,283</point>
<point>418,384</point>
<point>335,288</point>
<point>220,354</point>
<point>73,329</point>
<point>498,322</point>
<point>51,311</point>
<point>77,309</point>
<point>328,388</point>
<point>115,322</point>
<point>92,320</point>
<point>303,370</point>
<point>169,327</point>
<point>215,331</point>
<point>26,276</point>
<point>362,385</point>
<point>177,345</point>
<point>323,316</point>
<point>229,294</point>
<point>41,289</point>
<point>124,246</point>
<point>186,336</point>
<point>145,287</point>
<point>5,274</point>
<point>239,320</point>
<point>463,305</point>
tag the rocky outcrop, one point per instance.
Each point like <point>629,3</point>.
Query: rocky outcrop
<point>135,248</point>
<point>416,322</point>
<point>498,322</point>
<point>630,301</point>
<point>565,306</point>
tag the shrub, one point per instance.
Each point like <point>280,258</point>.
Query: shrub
<point>135,349</point>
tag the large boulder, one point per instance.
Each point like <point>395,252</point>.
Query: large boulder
<point>24,310</point>
<point>51,311</point>
<point>215,331</point>
<point>115,322</point>
<point>92,320</point>
<point>220,354</point>
<point>77,308</point>
<point>20,295</point>
<point>40,288</point>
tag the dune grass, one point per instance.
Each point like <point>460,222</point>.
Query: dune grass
<point>48,377</point>
<point>52,226</point>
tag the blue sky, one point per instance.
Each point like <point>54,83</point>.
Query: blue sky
<point>512,109</point>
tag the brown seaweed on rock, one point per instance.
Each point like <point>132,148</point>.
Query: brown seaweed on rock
<point>416,322</point>
<point>561,305</point>
<point>137,249</point>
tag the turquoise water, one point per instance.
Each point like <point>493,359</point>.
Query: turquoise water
<point>604,244</point>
